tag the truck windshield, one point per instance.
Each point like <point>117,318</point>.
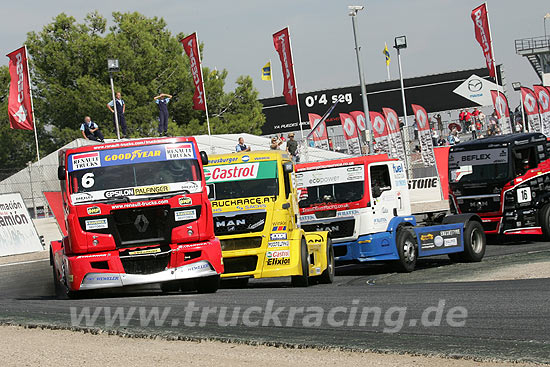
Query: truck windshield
<point>133,172</point>
<point>242,180</point>
<point>331,185</point>
<point>479,166</point>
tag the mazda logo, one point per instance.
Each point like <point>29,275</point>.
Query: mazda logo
<point>475,85</point>
<point>141,223</point>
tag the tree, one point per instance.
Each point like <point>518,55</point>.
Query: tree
<point>71,80</point>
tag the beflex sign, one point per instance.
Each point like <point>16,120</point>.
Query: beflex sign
<point>17,232</point>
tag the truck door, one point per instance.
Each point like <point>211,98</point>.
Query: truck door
<point>383,196</point>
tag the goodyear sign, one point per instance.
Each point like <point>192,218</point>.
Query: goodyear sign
<point>132,155</point>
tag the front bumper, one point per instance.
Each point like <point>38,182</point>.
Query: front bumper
<point>372,247</point>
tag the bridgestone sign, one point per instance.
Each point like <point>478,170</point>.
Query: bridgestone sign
<point>17,232</point>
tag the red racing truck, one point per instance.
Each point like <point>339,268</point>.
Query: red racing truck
<point>136,212</point>
<point>505,180</point>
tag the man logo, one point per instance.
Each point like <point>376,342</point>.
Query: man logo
<point>475,85</point>
<point>21,114</point>
<point>361,122</point>
<point>141,223</point>
<point>349,126</point>
<point>421,119</point>
<point>379,125</point>
<point>530,102</point>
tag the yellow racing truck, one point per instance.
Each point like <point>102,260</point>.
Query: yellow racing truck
<point>256,218</point>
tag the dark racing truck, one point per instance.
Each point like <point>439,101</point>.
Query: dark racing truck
<point>505,180</point>
<point>136,212</point>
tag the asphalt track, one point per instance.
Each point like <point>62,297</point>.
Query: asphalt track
<point>506,320</point>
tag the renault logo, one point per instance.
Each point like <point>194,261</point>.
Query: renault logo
<point>141,223</point>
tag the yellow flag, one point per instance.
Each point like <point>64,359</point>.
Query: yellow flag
<point>386,53</point>
<point>266,71</point>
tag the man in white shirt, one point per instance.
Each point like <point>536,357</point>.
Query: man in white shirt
<point>90,130</point>
<point>120,110</point>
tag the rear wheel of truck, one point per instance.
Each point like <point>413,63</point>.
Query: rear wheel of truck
<point>407,250</point>
<point>544,219</point>
<point>208,284</point>
<point>327,277</point>
<point>302,280</point>
<point>474,243</point>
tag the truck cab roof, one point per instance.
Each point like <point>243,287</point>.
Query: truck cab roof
<point>499,141</point>
<point>245,157</point>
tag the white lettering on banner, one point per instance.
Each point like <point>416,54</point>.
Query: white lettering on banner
<point>484,42</point>
<point>20,78</point>
<point>17,232</point>
<point>287,66</point>
<point>330,176</point>
<point>195,70</point>
<point>426,146</point>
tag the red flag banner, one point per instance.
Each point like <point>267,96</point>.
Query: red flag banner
<point>350,133</point>
<point>360,120</point>
<point>395,135</point>
<point>320,136</point>
<point>380,131</point>
<point>424,134</point>
<point>530,106</point>
<point>543,97</point>
<point>281,40</point>
<point>483,36</point>
<point>19,102</point>
<point>192,50</point>
<point>503,113</point>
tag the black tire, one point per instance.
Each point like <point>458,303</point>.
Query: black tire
<point>407,248</point>
<point>302,280</point>
<point>327,277</point>
<point>474,243</point>
<point>170,287</point>
<point>544,219</point>
<point>59,291</point>
<point>208,284</point>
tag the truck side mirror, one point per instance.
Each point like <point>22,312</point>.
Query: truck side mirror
<point>204,157</point>
<point>286,205</point>
<point>288,167</point>
<point>61,173</point>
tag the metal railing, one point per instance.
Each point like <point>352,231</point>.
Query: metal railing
<point>532,43</point>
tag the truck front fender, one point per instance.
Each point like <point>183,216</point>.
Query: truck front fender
<point>396,221</point>
<point>461,218</point>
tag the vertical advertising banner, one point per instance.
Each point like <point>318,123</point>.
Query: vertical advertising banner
<point>543,97</point>
<point>503,112</point>
<point>320,136</point>
<point>360,120</point>
<point>483,36</point>
<point>19,101</point>
<point>395,134</point>
<point>281,40</point>
<point>350,133</point>
<point>17,232</point>
<point>192,50</point>
<point>381,133</point>
<point>424,134</point>
<point>530,106</point>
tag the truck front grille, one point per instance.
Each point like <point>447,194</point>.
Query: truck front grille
<point>479,205</point>
<point>337,229</point>
<point>134,262</point>
<point>240,223</point>
<point>143,225</point>
<point>241,243</point>
<point>239,264</point>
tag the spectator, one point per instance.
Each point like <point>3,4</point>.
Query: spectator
<point>90,130</point>
<point>311,143</point>
<point>467,119</point>
<point>519,127</point>
<point>475,115</point>
<point>441,142</point>
<point>435,136</point>
<point>453,137</point>
<point>472,129</point>
<point>439,122</point>
<point>120,110</point>
<point>275,143</point>
<point>462,118</point>
<point>292,148</point>
<point>330,144</point>
<point>241,147</point>
<point>162,101</point>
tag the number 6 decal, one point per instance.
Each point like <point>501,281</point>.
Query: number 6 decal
<point>88,180</point>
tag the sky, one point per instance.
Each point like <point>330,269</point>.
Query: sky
<point>238,35</point>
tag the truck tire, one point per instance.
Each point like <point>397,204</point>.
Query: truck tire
<point>327,277</point>
<point>545,221</point>
<point>208,284</point>
<point>302,280</point>
<point>169,287</point>
<point>407,249</point>
<point>474,243</point>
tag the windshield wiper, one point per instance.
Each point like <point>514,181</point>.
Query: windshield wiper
<point>120,199</point>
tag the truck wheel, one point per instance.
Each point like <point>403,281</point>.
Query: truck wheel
<point>407,249</point>
<point>474,243</point>
<point>208,284</point>
<point>168,287</point>
<point>59,292</point>
<point>545,220</point>
<point>302,280</point>
<point>327,277</point>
